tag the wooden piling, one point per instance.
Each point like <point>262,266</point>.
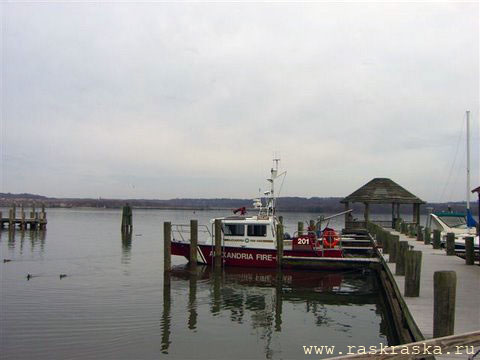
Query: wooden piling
<point>398,224</point>
<point>413,265</point>
<point>419,233</point>
<point>450,246</point>
<point>127,224</point>
<point>393,248</point>
<point>436,239</point>
<point>32,213</point>
<point>385,240</point>
<point>11,218</point>
<point>218,242</point>
<point>427,236</point>
<point>469,251</point>
<point>279,245</point>
<point>193,242</point>
<point>311,225</point>
<point>402,252</point>
<point>22,217</point>
<point>300,228</point>
<point>167,246</point>
<point>444,294</point>
<point>280,219</point>
<point>412,230</point>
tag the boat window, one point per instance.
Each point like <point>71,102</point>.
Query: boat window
<point>435,225</point>
<point>234,229</point>
<point>454,221</point>
<point>257,230</point>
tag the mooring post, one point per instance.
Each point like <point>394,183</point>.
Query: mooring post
<point>393,248</point>
<point>218,243</point>
<point>450,247</point>
<point>436,239</point>
<point>11,218</point>
<point>402,252</point>
<point>167,246</point>
<point>444,294</point>
<point>22,216</point>
<point>127,224</point>
<point>32,217</point>
<point>300,228</point>
<point>412,230</point>
<point>419,233</point>
<point>386,240</point>
<point>398,224</point>
<point>43,217</point>
<point>413,265</point>
<point>280,219</point>
<point>469,251</point>
<point>193,242</point>
<point>279,245</point>
<point>427,236</point>
<point>380,237</point>
<point>312,225</point>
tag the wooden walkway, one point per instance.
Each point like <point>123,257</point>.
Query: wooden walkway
<point>467,312</point>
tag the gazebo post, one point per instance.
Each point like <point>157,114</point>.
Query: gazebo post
<point>366,213</point>
<point>416,214</point>
<point>393,215</point>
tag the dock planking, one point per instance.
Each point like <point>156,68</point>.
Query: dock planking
<point>467,314</point>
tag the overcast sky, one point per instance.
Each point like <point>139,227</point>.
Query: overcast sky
<point>164,100</point>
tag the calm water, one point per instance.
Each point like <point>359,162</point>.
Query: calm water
<point>114,302</point>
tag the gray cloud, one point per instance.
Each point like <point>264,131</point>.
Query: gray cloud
<point>161,100</point>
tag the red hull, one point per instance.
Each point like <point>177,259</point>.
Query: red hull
<point>234,256</point>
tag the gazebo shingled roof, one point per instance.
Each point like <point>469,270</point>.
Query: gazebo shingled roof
<point>382,191</point>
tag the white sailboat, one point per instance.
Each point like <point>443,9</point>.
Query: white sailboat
<point>460,224</point>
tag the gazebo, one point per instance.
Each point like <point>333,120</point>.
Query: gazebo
<point>382,191</point>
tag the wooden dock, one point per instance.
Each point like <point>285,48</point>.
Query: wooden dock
<point>36,220</point>
<point>467,304</point>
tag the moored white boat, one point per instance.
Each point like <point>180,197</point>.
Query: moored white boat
<point>453,222</point>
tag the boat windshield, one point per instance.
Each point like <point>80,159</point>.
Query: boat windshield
<point>454,221</point>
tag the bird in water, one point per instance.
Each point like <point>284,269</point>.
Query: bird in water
<point>6,260</point>
<point>62,276</point>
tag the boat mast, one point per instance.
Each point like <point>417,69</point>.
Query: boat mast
<point>468,160</point>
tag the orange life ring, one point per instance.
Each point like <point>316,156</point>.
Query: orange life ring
<point>330,238</point>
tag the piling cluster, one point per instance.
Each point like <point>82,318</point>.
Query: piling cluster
<point>36,220</point>
<point>409,263</point>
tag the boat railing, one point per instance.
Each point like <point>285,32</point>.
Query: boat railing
<point>314,234</point>
<point>183,232</point>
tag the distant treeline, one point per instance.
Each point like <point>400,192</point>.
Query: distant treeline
<point>297,204</point>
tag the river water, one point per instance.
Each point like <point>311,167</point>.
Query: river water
<point>114,302</point>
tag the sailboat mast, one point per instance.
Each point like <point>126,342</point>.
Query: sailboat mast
<point>468,160</point>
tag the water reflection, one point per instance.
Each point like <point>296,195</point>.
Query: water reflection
<point>126,247</point>
<point>165,321</point>
<point>263,293</point>
<point>36,237</point>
